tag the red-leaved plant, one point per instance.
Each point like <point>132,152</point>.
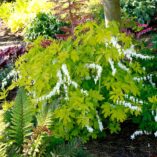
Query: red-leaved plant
<point>71,12</point>
<point>9,54</point>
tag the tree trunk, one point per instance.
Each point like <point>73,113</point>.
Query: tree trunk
<point>111,11</point>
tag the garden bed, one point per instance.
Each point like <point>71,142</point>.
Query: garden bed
<point>120,145</point>
<point>107,106</point>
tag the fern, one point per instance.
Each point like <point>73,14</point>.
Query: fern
<point>36,146</point>
<point>3,148</point>
<point>21,117</point>
<point>44,116</point>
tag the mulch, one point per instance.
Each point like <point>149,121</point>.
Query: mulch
<point>120,145</point>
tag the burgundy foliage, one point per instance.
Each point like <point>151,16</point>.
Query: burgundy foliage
<point>45,43</point>
<point>145,29</point>
<point>10,54</point>
<point>71,12</point>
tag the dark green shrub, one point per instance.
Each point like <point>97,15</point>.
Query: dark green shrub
<point>45,25</point>
<point>143,10</point>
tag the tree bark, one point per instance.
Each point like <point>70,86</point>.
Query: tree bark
<point>111,11</point>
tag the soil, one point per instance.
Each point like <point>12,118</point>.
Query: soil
<point>120,145</point>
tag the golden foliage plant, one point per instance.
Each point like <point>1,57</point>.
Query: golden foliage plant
<point>19,14</point>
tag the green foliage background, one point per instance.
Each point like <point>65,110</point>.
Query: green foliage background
<point>142,10</point>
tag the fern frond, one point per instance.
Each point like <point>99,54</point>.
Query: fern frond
<point>44,117</point>
<point>3,149</point>
<point>35,146</point>
<point>21,118</point>
<point>2,124</point>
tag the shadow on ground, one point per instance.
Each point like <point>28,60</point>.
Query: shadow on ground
<point>122,146</point>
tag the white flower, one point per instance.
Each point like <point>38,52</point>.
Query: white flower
<point>144,78</point>
<point>137,133</point>
<point>155,134</point>
<point>98,68</point>
<point>153,113</point>
<point>99,122</point>
<point>63,80</point>
<point>112,66</point>
<point>90,129</point>
<point>132,98</point>
<point>130,53</point>
<point>84,92</point>
<point>123,67</point>
<point>138,79</point>
<point>129,105</point>
<point>155,118</point>
<point>66,92</point>
<point>66,73</point>
<point>114,42</point>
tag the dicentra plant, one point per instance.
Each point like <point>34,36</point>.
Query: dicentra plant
<point>95,81</point>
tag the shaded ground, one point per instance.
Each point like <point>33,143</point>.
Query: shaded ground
<point>122,146</point>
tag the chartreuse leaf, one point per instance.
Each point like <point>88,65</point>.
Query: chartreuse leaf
<point>115,113</point>
<point>118,114</point>
<point>96,95</point>
<point>106,109</point>
<point>153,99</point>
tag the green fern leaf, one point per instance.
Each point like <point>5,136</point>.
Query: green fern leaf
<point>44,117</point>
<point>3,148</point>
<point>21,118</point>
